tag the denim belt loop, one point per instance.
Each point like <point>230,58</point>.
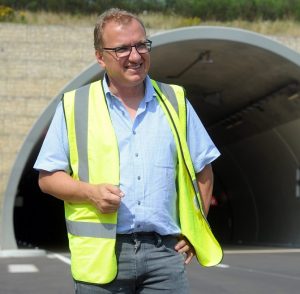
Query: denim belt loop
<point>158,239</point>
<point>137,239</point>
<point>137,242</point>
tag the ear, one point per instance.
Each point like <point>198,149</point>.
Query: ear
<point>99,58</point>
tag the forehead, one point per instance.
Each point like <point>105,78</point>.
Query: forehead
<point>123,32</point>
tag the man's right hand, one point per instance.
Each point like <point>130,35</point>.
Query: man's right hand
<point>106,198</point>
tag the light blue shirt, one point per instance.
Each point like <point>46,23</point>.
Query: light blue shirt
<point>148,160</point>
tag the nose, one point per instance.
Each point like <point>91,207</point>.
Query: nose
<point>134,54</point>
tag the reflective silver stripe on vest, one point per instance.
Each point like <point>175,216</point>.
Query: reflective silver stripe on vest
<point>81,127</point>
<point>196,200</point>
<point>94,230</point>
<point>168,91</point>
<point>195,184</point>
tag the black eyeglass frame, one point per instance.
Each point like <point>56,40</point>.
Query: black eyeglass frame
<point>148,44</point>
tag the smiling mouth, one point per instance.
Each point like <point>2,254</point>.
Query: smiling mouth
<point>136,66</point>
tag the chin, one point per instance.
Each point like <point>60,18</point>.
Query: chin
<point>136,79</point>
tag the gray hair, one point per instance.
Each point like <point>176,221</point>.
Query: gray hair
<point>114,14</point>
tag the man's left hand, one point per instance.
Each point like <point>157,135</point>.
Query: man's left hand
<point>184,246</point>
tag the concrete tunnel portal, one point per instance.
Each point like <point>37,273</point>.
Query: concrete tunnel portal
<point>246,89</point>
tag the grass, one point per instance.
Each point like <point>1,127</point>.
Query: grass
<point>159,21</point>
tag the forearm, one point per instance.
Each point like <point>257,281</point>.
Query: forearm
<point>62,186</point>
<point>105,197</point>
<point>205,180</point>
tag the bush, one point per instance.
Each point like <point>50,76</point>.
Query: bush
<point>221,10</point>
<point>6,13</point>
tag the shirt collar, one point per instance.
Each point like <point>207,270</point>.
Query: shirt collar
<point>149,90</point>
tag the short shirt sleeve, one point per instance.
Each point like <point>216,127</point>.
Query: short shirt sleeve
<point>202,149</point>
<point>54,154</point>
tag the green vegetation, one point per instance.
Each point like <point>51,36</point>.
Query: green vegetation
<point>6,13</point>
<point>164,14</point>
<point>221,10</point>
<point>228,10</point>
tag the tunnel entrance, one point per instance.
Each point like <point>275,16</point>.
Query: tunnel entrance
<point>246,90</point>
<point>38,218</point>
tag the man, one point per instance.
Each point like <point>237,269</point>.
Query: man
<point>121,164</point>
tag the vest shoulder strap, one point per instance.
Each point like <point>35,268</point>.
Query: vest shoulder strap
<point>176,96</point>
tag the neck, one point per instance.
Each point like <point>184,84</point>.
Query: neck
<point>126,93</point>
<point>129,96</point>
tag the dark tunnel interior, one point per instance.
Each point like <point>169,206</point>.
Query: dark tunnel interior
<point>248,98</point>
<point>38,217</point>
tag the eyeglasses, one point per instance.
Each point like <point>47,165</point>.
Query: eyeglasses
<point>124,51</point>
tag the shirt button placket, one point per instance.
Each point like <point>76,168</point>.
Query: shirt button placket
<point>139,185</point>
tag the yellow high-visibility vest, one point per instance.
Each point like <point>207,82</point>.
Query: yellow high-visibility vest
<point>92,235</point>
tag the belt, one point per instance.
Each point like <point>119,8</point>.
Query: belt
<point>147,235</point>
<point>138,237</point>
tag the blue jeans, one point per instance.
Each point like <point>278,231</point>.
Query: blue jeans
<point>147,264</point>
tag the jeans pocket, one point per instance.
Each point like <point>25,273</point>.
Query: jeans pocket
<point>169,245</point>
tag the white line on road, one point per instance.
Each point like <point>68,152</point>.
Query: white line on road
<point>222,265</point>
<point>257,271</point>
<point>261,251</point>
<point>262,272</point>
<point>22,268</point>
<point>62,258</point>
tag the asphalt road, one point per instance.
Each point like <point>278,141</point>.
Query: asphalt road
<point>266,271</point>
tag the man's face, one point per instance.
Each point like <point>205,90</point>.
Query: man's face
<point>127,71</point>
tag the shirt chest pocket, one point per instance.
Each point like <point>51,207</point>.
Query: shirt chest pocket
<point>165,160</point>
<point>165,153</point>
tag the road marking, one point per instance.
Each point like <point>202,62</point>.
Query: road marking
<point>257,271</point>
<point>22,253</point>
<point>222,265</point>
<point>262,251</point>
<point>22,268</point>
<point>262,272</point>
<point>62,258</point>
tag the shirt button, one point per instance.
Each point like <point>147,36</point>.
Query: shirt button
<point>138,177</point>
<point>138,226</point>
<point>134,132</point>
<point>139,202</point>
<point>136,155</point>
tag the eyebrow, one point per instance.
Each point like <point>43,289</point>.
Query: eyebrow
<point>129,45</point>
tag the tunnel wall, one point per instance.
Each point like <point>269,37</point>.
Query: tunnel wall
<point>31,76</point>
<point>255,216</point>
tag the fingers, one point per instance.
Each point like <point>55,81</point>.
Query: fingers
<point>115,190</point>
<point>107,198</point>
<point>189,256</point>
<point>184,246</point>
<point>111,198</point>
